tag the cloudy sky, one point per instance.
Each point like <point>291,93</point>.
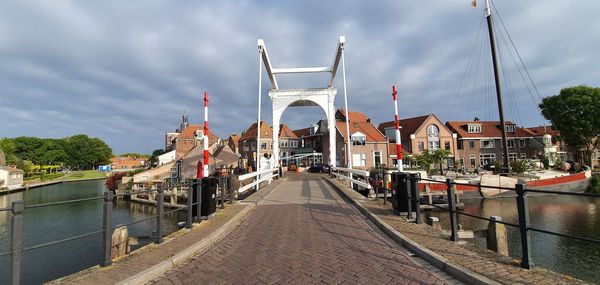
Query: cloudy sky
<point>125,71</point>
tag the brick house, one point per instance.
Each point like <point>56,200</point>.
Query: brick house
<point>421,133</point>
<point>190,137</point>
<point>288,142</point>
<point>479,142</point>
<point>119,164</point>
<point>369,146</point>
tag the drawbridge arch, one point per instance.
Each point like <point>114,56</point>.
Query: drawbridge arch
<point>282,99</point>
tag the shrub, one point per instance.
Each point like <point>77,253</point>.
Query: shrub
<point>519,166</point>
<point>594,184</point>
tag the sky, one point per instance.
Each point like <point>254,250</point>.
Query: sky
<point>126,71</point>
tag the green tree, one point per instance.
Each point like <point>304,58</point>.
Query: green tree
<point>574,113</point>
<point>438,156</point>
<point>424,160</point>
<point>86,153</point>
<point>154,156</point>
<point>8,147</point>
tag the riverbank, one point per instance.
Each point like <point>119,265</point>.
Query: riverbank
<point>48,183</point>
<point>461,260</point>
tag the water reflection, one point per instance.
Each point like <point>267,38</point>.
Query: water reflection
<point>46,224</point>
<point>564,214</point>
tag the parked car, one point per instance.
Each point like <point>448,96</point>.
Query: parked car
<point>318,168</point>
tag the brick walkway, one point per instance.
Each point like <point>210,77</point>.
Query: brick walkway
<point>304,233</point>
<point>482,261</point>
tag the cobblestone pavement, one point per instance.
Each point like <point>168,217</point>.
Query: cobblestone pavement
<point>485,262</point>
<point>304,233</point>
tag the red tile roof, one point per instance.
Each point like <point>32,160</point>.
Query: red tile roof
<point>542,130</point>
<point>286,132</point>
<point>250,133</point>
<point>354,116</point>
<point>302,132</point>
<point>408,126</point>
<point>489,129</point>
<point>372,133</point>
<point>190,132</point>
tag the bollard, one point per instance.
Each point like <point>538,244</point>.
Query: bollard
<point>188,222</point>
<point>414,178</point>
<point>16,239</point>
<point>376,186</point>
<point>452,210</point>
<point>434,222</point>
<point>523,209</point>
<point>107,227</point>
<point>159,211</point>
<point>198,199</point>
<point>497,238</point>
<point>409,198</point>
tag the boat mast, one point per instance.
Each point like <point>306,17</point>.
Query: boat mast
<point>488,15</point>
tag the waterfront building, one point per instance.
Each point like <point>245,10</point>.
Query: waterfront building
<point>233,141</point>
<point>549,145</point>
<point>11,177</point>
<point>479,142</point>
<point>150,178</point>
<point>288,142</point>
<point>167,157</point>
<point>120,164</point>
<point>419,134</point>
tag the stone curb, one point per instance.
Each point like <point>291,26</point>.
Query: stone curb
<point>457,271</point>
<point>153,272</point>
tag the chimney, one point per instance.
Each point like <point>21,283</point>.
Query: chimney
<point>476,119</point>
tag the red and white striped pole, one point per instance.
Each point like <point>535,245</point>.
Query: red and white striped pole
<point>397,122</point>
<point>205,170</point>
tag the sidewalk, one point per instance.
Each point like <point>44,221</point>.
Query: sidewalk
<point>482,262</point>
<point>154,259</point>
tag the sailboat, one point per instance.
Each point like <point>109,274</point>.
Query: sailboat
<point>487,185</point>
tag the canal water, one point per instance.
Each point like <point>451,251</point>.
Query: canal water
<point>46,224</point>
<point>558,213</point>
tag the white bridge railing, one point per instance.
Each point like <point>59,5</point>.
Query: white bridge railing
<point>259,177</point>
<point>351,175</point>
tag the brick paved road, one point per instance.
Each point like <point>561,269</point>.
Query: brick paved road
<point>304,233</point>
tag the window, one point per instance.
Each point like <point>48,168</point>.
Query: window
<point>460,144</point>
<point>358,139</point>
<point>512,156</point>
<point>447,145</point>
<point>511,143</point>
<point>471,144</point>
<point>461,161</point>
<point>486,159</point>
<point>473,161</point>
<point>377,157</point>
<point>394,162</point>
<point>308,143</point>
<point>598,154</point>
<point>510,128</point>
<point>522,143</point>
<point>359,159</point>
<point>433,137</point>
<point>294,144</point>
<point>523,156</point>
<point>474,128</point>
<point>253,146</point>
<point>263,145</point>
<point>487,143</point>
<point>283,143</point>
<point>421,146</point>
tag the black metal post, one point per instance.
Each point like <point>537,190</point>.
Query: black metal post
<point>523,209</point>
<point>384,195</point>
<point>452,210</point>
<point>190,202</point>
<point>229,189</point>
<point>159,212</point>
<point>406,181</point>
<point>107,228</point>
<point>198,199</point>
<point>222,186</point>
<point>414,178</point>
<point>16,238</point>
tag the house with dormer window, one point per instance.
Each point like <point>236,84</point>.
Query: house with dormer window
<point>420,134</point>
<point>369,147</point>
<point>480,142</point>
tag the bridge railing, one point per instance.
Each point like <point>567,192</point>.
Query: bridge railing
<point>355,176</point>
<point>259,177</point>
<point>191,188</point>
<point>410,185</point>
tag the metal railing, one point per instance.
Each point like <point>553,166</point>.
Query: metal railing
<point>18,208</point>
<point>350,174</point>
<point>523,224</point>
<point>259,177</point>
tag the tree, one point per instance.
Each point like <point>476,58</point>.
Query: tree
<point>424,160</point>
<point>8,147</point>
<point>154,157</point>
<point>85,152</point>
<point>574,113</point>
<point>438,156</point>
